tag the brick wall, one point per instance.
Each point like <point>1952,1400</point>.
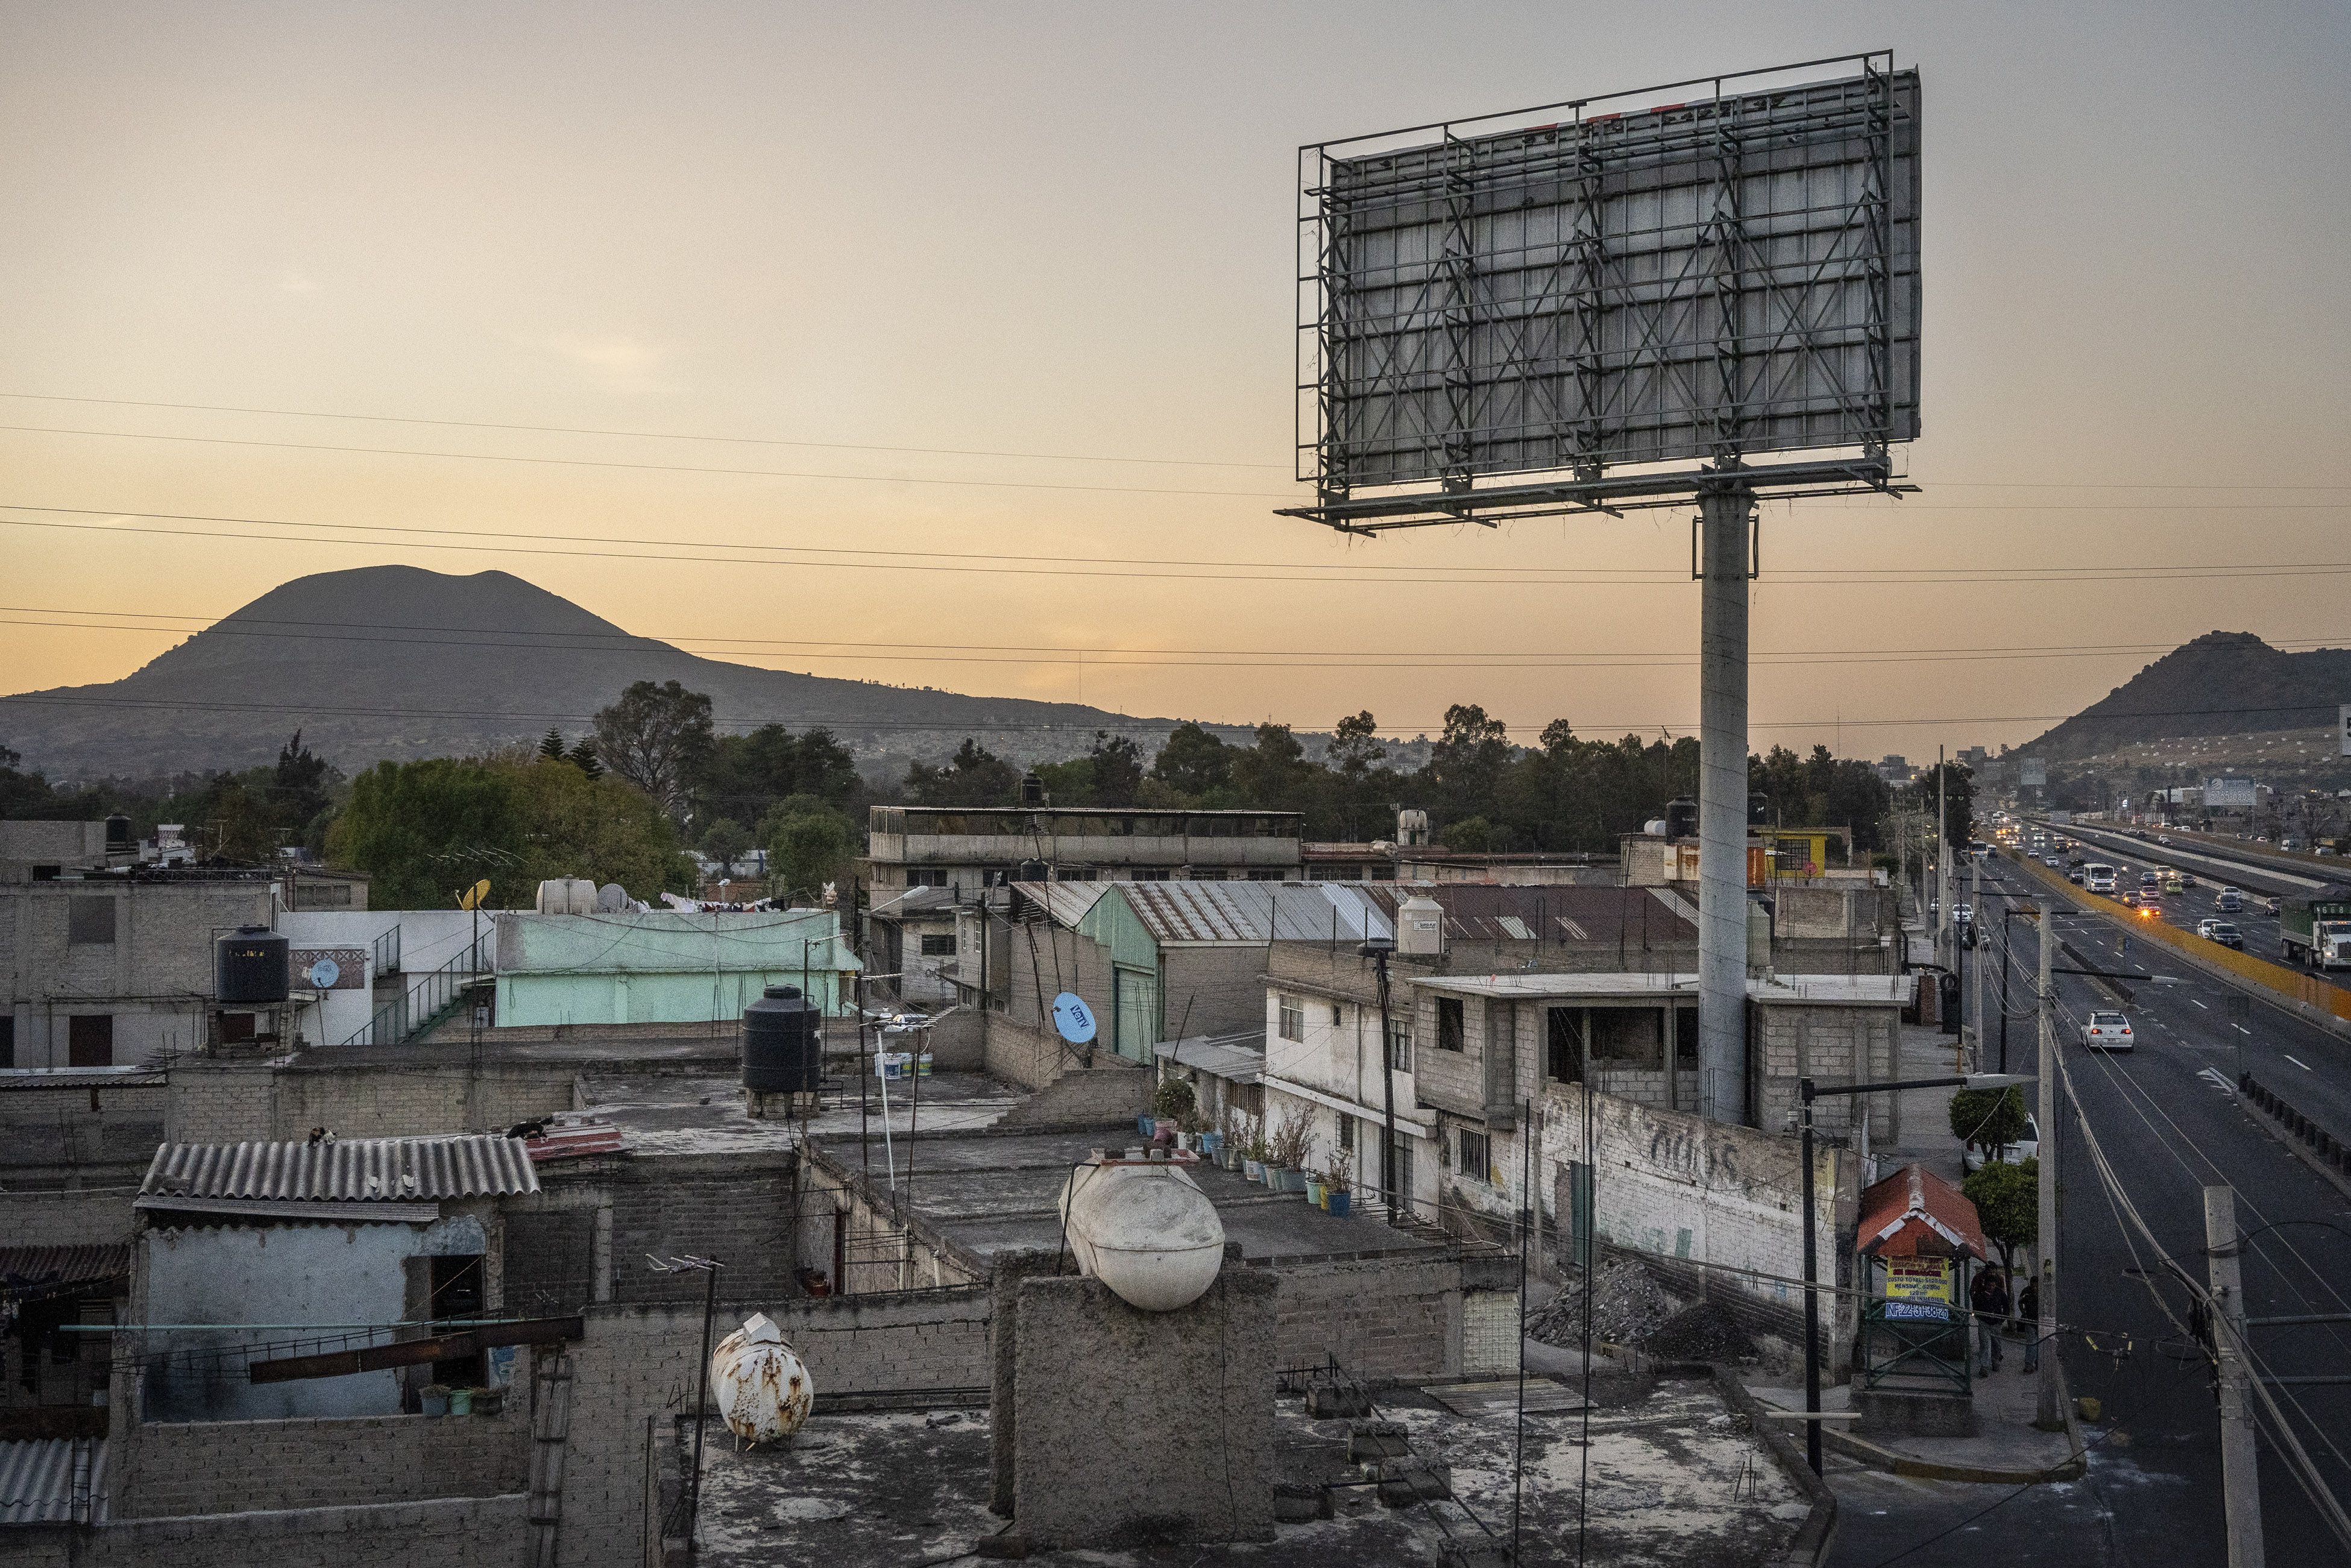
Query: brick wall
<point>1834,1045</point>
<point>67,1219</point>
<point>231,1467</point>
<point>638,1364</point>
<point>53,1132</point>
<point>884,1249</point>
<point>1385,1318</point>
<point>1111,1090</point>
<point>1043,959</point>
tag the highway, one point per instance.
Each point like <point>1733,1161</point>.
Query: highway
<point>2259,928</point>
<point>2169,1121</point>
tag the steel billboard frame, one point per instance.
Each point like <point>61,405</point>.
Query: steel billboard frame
<point>1428,181</point>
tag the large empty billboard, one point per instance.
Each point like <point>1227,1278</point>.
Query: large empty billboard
<point>1730,275</point>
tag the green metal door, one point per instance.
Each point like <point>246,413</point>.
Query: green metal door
<point>1137,1021</point>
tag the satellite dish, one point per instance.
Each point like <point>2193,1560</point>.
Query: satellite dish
<point>324,973</point>
<point>1073,1018</point>
<point>611,898</point>
<point>473,897</point>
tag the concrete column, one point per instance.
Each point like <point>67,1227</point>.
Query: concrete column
<point>1722,807</point>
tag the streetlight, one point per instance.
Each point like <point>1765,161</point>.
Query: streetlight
<point>1810,1091</point>
<point>708,1268</point>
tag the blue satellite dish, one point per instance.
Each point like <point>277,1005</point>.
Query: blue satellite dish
<point>1073,1018</point>
<point>325,973</point>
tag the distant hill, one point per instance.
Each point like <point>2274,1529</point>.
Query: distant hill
<point>2224,683</point>
<point>393,662</point>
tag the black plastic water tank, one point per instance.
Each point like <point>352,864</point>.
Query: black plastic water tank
<point>249,965</point>
<point>783,1044</point>
<point>1681,818</point>
<point>117,832</point>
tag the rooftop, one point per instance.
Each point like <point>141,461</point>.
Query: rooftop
<point>986,1193</point>
<point>703,1112</point>
<point>339,1171</point>
<point>1849,990</point>
<point>1676,1477</point>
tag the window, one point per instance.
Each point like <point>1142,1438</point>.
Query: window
<point>90,1039</point>
<point>1152,873</point>
<point>1400,1045</point>
<point>1292,1019</point>
<point>90,922</point>
<point>1628,1037</point>
<point>1267,873</point>
<point>1347,1134</point>
<point>938,945</point>
<point>1449,1035</point>
<point>7,1042</point>
<point>1338,1015</point>
<point>1473,1162</point>
<point>926,876</point>
<point>1685,1037</point>
<point>1564,1056</point>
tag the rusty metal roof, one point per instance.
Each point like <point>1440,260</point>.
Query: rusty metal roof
<point>53,1480</point>
<point>46,1270</point>
<point>343,1170</point>
<point>1066,903</point>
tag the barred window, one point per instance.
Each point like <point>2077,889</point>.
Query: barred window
<point>1292,1013</point>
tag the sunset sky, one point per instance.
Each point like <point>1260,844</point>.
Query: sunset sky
<point>975,282</point>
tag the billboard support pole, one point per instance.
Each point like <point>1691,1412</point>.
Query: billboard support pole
<point>1725,515</point>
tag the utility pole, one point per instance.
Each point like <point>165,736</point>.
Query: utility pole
<point>1975,978</point>
<point>1942,860</point>
<point>2241,1490</point>
<point>2049,1417</point>
<point>1379,950</point>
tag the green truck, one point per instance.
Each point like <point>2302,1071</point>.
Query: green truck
<point>2316,928</point>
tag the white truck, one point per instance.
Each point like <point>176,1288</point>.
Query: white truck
<point>2098,877</point>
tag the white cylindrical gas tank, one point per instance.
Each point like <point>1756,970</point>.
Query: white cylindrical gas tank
<point>1145,1230</point>
<point>760,1387</point>
<point>583,896</point>
<point>1420,925</point>
<point>554,896</point>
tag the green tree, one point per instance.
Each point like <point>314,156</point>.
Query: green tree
<point>1470,833</point>
<point>2008,1204</point>
<point>582,756</point>
<point>1193,761</point>
<point>725,840</point>
<point>975,776</point>
<point>809,844</point>
<point>1117,769</point>
<point>417,828</point>
<point>1989,1118</point>
<point>602,829</point>
<point>746,775</point>
<point>1467,764</point>
<point>550,746</point>
<point>1273,775</point>
<point>658,739</point>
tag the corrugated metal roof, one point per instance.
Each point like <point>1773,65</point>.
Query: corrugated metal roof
<point>1253,911</point>
<point>1065,902</point>
<point>1478,911</point>
<point>37,1271</point>
<point>346,1170</point>
<point>43,1479</point>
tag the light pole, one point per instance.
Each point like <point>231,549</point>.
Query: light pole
<point>691,1504</point>
<point>1378,948</point>
<point>1809,1091</point>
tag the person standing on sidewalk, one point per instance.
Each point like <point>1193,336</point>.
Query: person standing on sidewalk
<point>1989,1297</point>
<point>2028,1307</point>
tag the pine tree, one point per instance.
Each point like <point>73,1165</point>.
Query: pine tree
<point>583,756</point>
<point>550,746</point>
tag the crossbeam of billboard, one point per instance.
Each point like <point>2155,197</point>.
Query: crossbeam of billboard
<point>1613,308</point>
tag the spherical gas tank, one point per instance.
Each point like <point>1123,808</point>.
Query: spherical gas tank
<point>1143,1229</point>
<point>762,1387</point>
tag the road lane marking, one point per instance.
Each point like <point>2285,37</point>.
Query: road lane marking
<point>2303,1065</point>
<point>2212,1076</point>
<point>2242,1030</point>
<point>2200,1004</point>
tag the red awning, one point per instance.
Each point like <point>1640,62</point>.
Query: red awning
<point>1914,1211</point>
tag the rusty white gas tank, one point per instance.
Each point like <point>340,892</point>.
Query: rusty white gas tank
<point>1144,1230</point>
<point>762,1387</point>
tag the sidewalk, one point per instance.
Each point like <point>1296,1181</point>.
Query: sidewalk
<point>2007,1449</point>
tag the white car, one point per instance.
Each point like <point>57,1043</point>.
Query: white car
<point>2108,1032</point>
<point>2027,1146</point>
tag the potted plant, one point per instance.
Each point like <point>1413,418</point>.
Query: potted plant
<point>1291,1145</point>
<point>434,1399</point>
<point>461,1402</point>
<point>1337,1182</point>
<point>1314,1189</point>
<point>1172,1106</point>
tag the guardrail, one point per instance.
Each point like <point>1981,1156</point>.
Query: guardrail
<point>1916,1345</point>
<point>425,1003</point>
<point>2293,984</point>
<point>2330,1150</point>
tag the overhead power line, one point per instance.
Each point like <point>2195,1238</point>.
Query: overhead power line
<point>1356,572</point>
<point>1094,657</point>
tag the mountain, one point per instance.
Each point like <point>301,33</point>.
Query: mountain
<point>2224,683</point>
<point>398,663</point>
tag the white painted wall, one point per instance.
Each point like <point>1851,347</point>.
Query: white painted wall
<point>428,939</point>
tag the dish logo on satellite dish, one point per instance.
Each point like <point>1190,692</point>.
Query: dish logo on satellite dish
<point>1073,1018</point>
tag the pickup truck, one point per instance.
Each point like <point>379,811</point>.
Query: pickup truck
<point>2315,929</point>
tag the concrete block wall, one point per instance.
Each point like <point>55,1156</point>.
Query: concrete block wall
<point>1041,961</point>
<point>227,1103</point>
<point>1834,1045</point>
<point>638,1364</point>
<point>1111,1090</point>
<point>1184,1400</point>
<point>235,1467</point>
<point>456,1532</point>
<point>886,1250</point>
<point>66,1218</point>
<point>56,1130</point>
<point>1385,1318</point>
<point>737,1208</point>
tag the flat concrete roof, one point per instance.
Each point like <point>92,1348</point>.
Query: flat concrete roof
<point>1878,990</point>
<point>705,1112</point>
<point>1675,1478</point>
<point>989,1193</point>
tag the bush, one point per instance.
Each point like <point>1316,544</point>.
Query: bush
<point>1992,1117</point>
